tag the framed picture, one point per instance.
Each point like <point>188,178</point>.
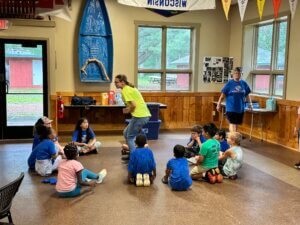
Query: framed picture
<point>217,69</point>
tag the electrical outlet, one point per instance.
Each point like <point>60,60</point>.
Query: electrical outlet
<point>213,113</point>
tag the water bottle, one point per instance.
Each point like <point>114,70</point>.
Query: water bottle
<point>271,104</point>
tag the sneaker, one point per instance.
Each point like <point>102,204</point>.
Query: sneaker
<point>164,180</point>
<point>102,174</point>
<point>211,176</point>
<point>234,177</point>
<point>87,180</point>
<point>146,179</point>
<point>219,178</point>
<point>297,165</point>
<point>139,180</point>
<point>125,157</point>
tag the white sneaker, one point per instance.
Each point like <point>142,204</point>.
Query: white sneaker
<point>139,180</point>
<point>101,174</point>
<point>146,179</point>
<point>88,180</point>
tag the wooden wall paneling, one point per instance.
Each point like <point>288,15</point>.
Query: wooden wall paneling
<point>185,111</point>
<point>192,110</point>
<point>179,111</point>
<point>198,109</point>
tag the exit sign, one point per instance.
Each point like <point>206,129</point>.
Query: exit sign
<point>4,24</point>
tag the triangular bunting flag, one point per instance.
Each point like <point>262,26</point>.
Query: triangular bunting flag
<point>293,6</point>
<point>226,7</point>
<point>276,5</point>
<point>260,6</point>
<point>242,8</point>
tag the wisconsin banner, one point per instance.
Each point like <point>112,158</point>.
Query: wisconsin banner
<point>293,6</point>
<point>260,6</point>
<point>226,6</point>
<point>185,5</point>
<point>242,8</point>
<point>276,5</point>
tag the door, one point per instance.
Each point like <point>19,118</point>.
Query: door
<point>23,86</point>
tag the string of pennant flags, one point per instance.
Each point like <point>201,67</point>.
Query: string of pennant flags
<point>260,6</point>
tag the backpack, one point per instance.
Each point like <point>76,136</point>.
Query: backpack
<point>77,100</point>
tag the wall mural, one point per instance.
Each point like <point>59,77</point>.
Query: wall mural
<point>95,44</point>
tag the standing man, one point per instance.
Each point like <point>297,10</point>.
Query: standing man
<point>235,91</point>
<point>136,106</point>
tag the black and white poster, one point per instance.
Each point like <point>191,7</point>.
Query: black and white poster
<point>217,69</point>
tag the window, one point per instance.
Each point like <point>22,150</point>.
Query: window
<point>164,58</point>
<point>266,60</point>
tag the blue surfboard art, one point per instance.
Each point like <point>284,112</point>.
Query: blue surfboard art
<point>95,44</point>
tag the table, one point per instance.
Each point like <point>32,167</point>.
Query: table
<point>83,108</point>
<point>258,111</point>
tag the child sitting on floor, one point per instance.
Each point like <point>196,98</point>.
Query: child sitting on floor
<point>221,137</point>
<point>141,166</point>
<point>233,156</point>
<point>207,159</point>
<point>177,172</point>
<point>44,157</point>
<point>84,138</point>
<point>195,142</point>
<point>72,175</point>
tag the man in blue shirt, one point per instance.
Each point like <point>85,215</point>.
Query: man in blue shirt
<point>235,91</point>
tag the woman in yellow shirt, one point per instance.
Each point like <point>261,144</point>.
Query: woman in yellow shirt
<point>136,106</point>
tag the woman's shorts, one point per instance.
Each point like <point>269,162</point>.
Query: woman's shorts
<point>235,118</point>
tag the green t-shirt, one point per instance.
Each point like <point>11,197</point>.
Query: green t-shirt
<point>210,150</point>
<point>133,95</point>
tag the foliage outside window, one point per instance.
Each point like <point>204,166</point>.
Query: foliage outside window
<point>269,59</point>
<point>164,58</point>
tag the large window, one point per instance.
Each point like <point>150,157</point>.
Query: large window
<point>164,58</point>
<point>266,60</point>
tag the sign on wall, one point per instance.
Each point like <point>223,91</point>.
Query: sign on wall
<point>185,5</point>
<point>217,69</point>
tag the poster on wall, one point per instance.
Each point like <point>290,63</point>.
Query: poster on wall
<point>217,69</point>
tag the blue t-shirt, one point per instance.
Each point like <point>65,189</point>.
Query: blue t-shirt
<point>45,150</point>
<point>224,146</point>
<point>86,135</point>
<point>195,144</point>
<point>180,179</point>
<point>36,141</point>
<point>141,161</point>
<point>235,93</point>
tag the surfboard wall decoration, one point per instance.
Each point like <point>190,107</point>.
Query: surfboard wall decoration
<point>95,44</point>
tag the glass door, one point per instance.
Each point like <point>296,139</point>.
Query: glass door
<point>23,86</point>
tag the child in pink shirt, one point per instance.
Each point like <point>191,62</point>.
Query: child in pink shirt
<point>72,175</point>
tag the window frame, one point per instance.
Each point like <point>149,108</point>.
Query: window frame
<point>192,70</point>
<point>273,71</point>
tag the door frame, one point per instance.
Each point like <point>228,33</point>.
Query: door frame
<point>14,132</point>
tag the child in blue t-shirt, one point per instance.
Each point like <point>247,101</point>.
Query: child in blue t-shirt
<point>221,137</point>
<point>177,172</point>
<point>195,142</point>
<point>84,138</point>
<point>44,157</point>
<point>141,166</point>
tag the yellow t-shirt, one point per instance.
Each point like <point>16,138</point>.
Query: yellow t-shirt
<point>133,95</point>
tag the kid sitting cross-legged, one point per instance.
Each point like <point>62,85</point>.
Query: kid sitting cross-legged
<point>141,166</point>
<point>233,156</point>
<point>72,175</point>
<point>177,172</point>
<point>207,159</point>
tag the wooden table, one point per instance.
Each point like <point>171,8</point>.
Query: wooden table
<point>258,111</point>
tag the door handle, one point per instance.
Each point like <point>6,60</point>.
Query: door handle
<point>6,86</point>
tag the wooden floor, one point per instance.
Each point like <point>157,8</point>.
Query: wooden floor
<point>267,191</point>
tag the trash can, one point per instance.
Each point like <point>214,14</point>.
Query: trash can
<point>154,110</point>
<point>151,129</point>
